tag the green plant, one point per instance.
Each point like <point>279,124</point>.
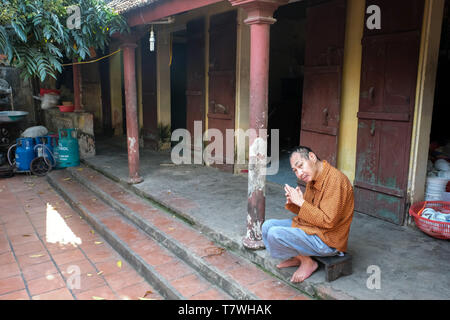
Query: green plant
<point>164,132</point>
<point>35,37</point>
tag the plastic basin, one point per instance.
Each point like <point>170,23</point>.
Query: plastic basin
<point>12,116</point>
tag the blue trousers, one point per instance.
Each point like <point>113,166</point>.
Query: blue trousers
<point>283,241</point>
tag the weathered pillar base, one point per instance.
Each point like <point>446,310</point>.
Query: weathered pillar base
<point>253,244</point>
<point>255,219</point>
<point>135,180</point>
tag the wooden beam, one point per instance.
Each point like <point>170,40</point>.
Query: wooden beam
<point>164,9</point>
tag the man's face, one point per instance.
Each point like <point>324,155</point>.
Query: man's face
<point>304,169</point>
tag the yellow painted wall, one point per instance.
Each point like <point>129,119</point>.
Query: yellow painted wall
<point>242,86</point>
<point>163,76</point>
<point>115,71</point>
<point>426,82</point>
<point>351,78</point>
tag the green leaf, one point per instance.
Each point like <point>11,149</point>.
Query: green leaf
<point>35,37</point>
<point>19,29</point>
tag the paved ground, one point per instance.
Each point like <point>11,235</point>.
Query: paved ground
<point>37,259</point>
<point>411,264</point>
<point>45,244</point>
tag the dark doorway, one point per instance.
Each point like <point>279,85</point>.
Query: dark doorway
<point>287,54</point>
<point>222,80</point>
<point>149,97</point>
<point>440,135</point>
<point>178,81</point>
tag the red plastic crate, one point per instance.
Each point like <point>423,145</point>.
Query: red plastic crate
<point>436,229</point>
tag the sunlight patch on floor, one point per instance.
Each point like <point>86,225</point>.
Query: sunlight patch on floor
<point>57,230</point>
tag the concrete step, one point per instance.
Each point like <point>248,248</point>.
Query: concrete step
<point>167,192</point>
<point>171,277</point>
<point>237,276</point>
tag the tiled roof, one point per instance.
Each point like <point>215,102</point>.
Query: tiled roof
<point>122,6</point>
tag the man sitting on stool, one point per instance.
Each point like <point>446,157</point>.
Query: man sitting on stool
<point>323,216</point>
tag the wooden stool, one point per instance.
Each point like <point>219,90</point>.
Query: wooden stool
<point>336,266</point>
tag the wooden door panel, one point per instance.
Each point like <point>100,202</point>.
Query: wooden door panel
<point>321,99</point>
<point>326,149</point>
<point>397,15</point>
<point>222,77</point>
<point>382,154</point>
<point>400,75</point>
<point>388,83</point>
<point>366,158</point>
<point>375,203</point>
<point>195,69</point>
<point>325,35</point>
<point>372,78</point>
<point>393,154</point>
<point>379,185</point>
<point>222,97</point>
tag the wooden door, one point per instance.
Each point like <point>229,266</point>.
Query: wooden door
<point>149,102</point>
<point>387,96</point>
<point>106,97</point>
<point>195,86</point>
<point>324,51</point>
<point>222,77</point>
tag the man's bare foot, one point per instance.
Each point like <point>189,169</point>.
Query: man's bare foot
<point>306,269</point>
<point>292,262</point>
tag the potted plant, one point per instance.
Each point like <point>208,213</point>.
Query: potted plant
<point>164,135</point>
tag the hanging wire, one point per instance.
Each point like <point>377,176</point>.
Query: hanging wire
<point>92,61</point>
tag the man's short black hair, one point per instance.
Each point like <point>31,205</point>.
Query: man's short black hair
<point>304,152</point>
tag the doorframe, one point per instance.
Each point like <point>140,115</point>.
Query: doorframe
<point>425,90</point>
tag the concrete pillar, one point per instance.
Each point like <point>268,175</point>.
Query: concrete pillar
<point>260,17</point>
<point>129,70</point>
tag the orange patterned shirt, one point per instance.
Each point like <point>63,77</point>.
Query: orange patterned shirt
<point>328,208</point>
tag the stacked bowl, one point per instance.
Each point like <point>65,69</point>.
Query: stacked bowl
<point>435,188</point>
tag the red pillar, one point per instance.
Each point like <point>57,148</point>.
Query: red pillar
<point>260,17</point>
<point>131,111</point>
<point>76,86</point>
